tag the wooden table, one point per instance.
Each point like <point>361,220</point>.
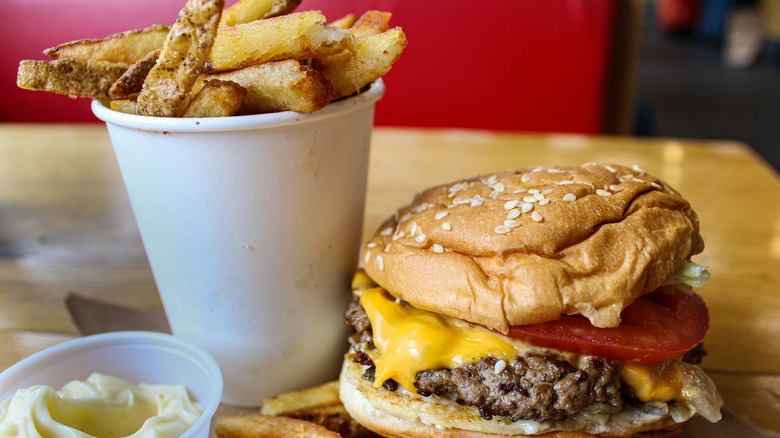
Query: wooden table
<point>66,226</point>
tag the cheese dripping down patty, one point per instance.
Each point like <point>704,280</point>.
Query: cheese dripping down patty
<point>410,340</point>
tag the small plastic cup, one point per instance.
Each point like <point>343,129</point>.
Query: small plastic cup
<point>138,357</point>
<point>252,226</point>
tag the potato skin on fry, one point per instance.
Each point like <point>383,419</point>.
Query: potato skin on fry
<point>268,426</point>
<point>132,81</point>
<point>72,76</point>
<point>127,47</point>
<point>182,59</point>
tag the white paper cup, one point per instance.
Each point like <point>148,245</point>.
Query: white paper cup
<point>138,357</point>
<point>252,226</point>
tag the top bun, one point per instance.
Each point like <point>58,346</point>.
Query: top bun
<point>527,246</point>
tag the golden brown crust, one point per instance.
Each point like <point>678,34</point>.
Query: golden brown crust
<point>181,60</point>
<point>469,249</point>
<point>393,415</point>
<point>72,76</point>
<point>125,47</point>
<point>132,81</point>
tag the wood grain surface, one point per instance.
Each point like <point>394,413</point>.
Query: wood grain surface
<point>66,226</point>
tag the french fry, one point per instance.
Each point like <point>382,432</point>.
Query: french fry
<point>262,426</point>
<point>320,405</point>
<point>123,106</point>
<point>371,23</point>
<point>183,56</point>
<point>250,10</point>
<point>299,36</point>
<point>72,76</point>
<point>216,99</point>
<point>372,59</point>
<point>344,22</point>
<point>126,47</point>
<point>287,85</point>
<point>132,81</point>
<point>323,395</point>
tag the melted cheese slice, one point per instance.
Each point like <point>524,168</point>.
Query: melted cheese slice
<point>659,382</point>
<point>411,340</point>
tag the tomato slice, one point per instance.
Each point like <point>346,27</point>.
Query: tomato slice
<point>656,327</point>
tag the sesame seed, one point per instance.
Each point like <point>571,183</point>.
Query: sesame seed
<point>527,207</point>
<point>502,229</point>
<point>656,185</point>
<point>447,226</point>
<point>368,255</point>
<point>494,194</point>
<point>615,188</point>
<point>533,191</point>
<point>569,197</point>
<point>638,169</point>
<point>513,214</point>
<point>611,169</point>
<point>634,179</point>
<point>500,187</point>
<point>492,180</point>
<point>438,248</point>
<point>415,229</point>
<point>406,217</point>
<point>536,216</point>
<point>525,178</point>
<point>603,193</point>
<point>566,182</point>
<point>441,215</point>
<point>511,204</point>
<point>420,207</point>
<point>544,201</point>
<point>399,235</point>
<point>529,199</point>
<point>500,366</point>
<point>547,191</point>
<point>380,262</point>
<point>371,244</point>
<point>511,223</point>
<point>539,196</point>
<point>420,238</point>
<point>386,232</point>
<point>387,247</point>
<point>476,202</point>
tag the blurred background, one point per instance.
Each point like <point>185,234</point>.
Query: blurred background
<point>707,69</point>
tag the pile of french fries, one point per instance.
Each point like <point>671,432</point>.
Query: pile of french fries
<point>257,56</point>
<point>308,413</point>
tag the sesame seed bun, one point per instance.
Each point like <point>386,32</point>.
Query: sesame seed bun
<point>395,415</point>
<point>526,246</point>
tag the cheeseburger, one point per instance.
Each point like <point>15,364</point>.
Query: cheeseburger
<point>547,302</point>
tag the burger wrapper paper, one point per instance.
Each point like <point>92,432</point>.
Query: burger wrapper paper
<point>92,317</point>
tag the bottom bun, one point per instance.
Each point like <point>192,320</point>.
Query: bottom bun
<point>403,414</point>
